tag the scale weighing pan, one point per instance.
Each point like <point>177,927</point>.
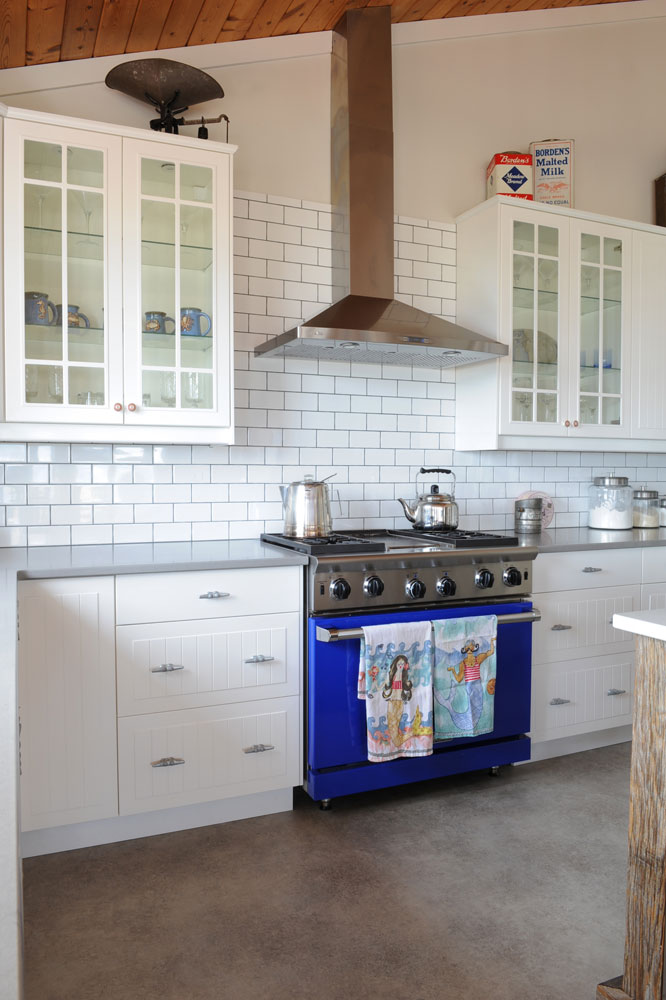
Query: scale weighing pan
<point>164,83</point>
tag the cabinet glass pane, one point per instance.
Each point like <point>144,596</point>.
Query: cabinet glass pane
<point>158,178</point>
<point>611,410</point>
<point>589,409</point>
<point>613,252</point>
<point>547,407</point>
<point>158,286</point>
<point>64,276</point>
<point>522,406</point>
<point>197,390</point>
<point>196,288</point>
<point>548,241</point>
<point>589,248</point>
<point>196,183</point>
<point>42,272</point>
<point>85,167</point>
<point>42,161</point>
<point>523,236</point>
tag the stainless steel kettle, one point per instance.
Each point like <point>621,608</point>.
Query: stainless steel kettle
<point>433,510</point>
<point>306,507</point>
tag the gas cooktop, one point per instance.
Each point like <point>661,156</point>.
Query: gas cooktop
<point>385,540</point>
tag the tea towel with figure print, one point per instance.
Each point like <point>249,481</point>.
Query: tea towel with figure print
<point>464,672</point>
<point>395,680</point>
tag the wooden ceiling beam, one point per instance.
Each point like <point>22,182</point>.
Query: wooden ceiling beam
<point>13,32</point>
<point>45,22</point>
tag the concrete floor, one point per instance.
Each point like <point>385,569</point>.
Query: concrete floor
<point>470,888</point>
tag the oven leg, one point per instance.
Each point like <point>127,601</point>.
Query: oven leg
<point>494,772</point>
<point>325,804</point>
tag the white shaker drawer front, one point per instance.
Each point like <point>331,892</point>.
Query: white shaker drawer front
<point>654,564</point>
<point>579,623</point>
<point>163,597</point>
<point>585,569</point>
<point>581,696</point>
<point>179,758</point>
<point>178,665</point>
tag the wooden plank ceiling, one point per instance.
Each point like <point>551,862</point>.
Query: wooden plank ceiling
<point>43,31</point>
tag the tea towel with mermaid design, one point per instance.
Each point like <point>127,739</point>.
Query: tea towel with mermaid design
<point>395,680</point>
<point>464,673</point>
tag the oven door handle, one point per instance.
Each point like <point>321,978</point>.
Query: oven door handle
<point>336,634</point>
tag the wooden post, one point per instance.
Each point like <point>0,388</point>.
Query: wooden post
<point>646,881</point>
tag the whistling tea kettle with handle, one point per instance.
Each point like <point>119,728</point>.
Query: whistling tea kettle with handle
<point>306,507</point>
<point>434,509</point>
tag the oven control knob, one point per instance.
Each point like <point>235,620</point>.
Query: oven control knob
<point>446,586</point>
<point>512,576</point>
<point>373,587</point>
<point>484,579</point>
<point>415,589</point>
<point>340,589</point>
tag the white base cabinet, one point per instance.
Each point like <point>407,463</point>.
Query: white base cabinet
<point>67,701</point>
<point>582,667</point>
<point>209,706</point>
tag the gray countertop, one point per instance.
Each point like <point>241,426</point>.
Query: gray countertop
<point>97,560</point>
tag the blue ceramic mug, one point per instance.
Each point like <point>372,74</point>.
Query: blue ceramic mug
<point>37,306</point>
<point>74,317</point>
<point>155,322</point>
<point>191,322</point>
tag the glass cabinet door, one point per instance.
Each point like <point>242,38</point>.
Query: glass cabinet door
<point>60,363</point>
<point>536,307</point>
<point>177,320</point>
<point>602,266</point>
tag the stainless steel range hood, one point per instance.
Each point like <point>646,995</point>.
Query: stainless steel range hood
<point>366,323</point>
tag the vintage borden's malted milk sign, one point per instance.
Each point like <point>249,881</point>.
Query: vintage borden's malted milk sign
<point>553,171</point>
<point>510,174</point>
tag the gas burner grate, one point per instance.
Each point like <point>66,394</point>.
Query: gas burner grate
<point>459,538</point>
<point>336,543</point>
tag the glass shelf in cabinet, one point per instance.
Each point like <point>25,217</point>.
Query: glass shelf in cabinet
<point>161,254</point>
<point>165,341</point>
<point>48,243</point>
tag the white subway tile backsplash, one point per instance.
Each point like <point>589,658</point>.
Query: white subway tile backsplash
<point>29,474</point>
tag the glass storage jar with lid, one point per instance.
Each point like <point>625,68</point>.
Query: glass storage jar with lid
<point>662,512</point>
<point>646,508</point>
<point>611,499</point>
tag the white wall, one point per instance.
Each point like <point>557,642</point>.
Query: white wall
<point>464,88</point>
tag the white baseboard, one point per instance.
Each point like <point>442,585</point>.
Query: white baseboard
<point>575,744</point>
<point>108,831</point>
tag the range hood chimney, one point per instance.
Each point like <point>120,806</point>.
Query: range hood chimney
<point>366,323</point>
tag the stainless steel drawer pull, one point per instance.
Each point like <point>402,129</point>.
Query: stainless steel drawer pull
<point>258,748</point>
<point>259,658</point>
<point>560,701</point>
<point>213,595</point>
<point>166,668</point>
<point>592,569</point>
<point>614,691</point>
<point>560,628</point>
<point>167,762</point>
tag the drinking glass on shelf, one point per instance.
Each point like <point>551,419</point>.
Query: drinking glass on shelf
<point>193,388</point>
<point>168,391</point>
<point>55,384</point>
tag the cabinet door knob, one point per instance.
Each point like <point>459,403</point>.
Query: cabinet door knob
<point>166,668</point>
<point>117,407</point>
<point>559,701</point>
<point>167,762</point>
<point>258,748</point>
<point>131,407</point>
<point>614,691</point>
<point>213,595</point>
<point>575,423</point>
<point>560,628</point>
<point>567,423</point>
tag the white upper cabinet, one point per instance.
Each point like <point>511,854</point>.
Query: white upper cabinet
<point>118,294</point>
<point>555,286</point>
